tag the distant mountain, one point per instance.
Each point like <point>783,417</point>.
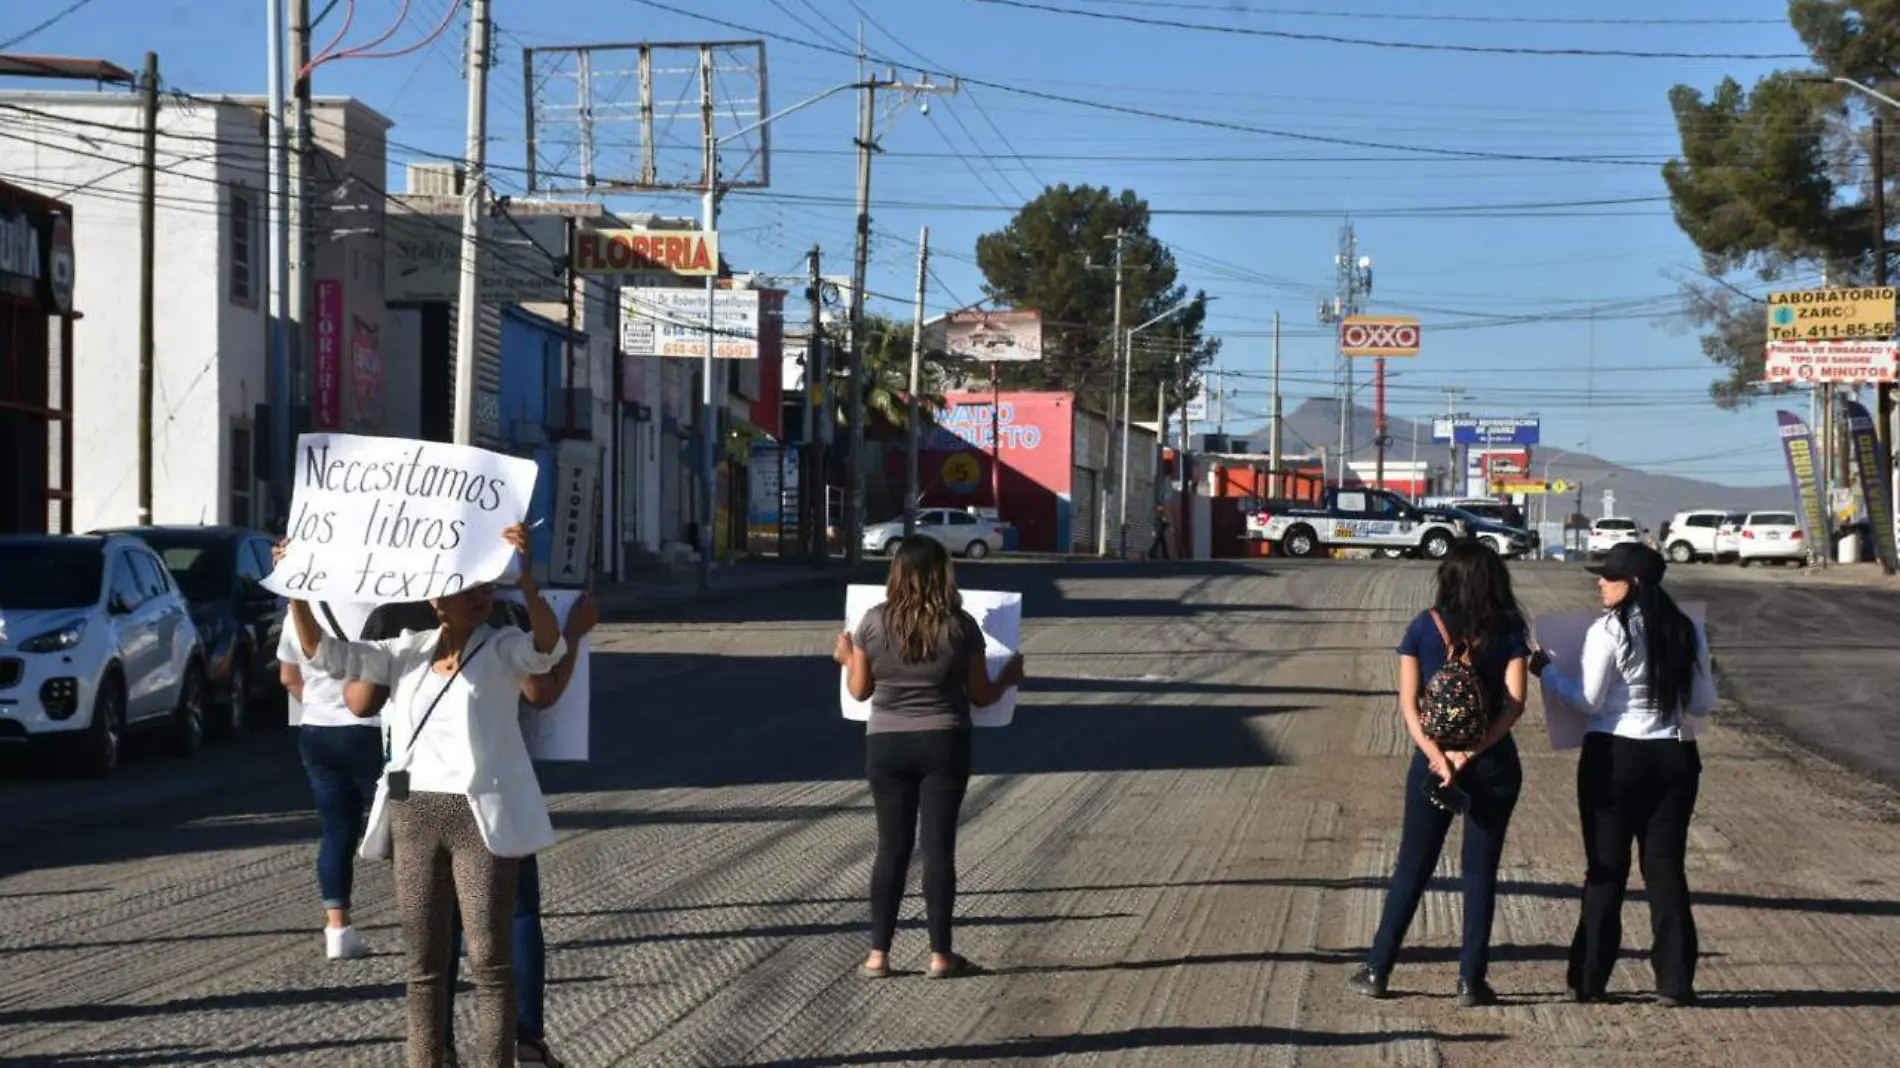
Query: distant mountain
<point>1643,495</point>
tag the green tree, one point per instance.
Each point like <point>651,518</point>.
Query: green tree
<point>1057,256</point>
<point>887,375</point>
<point>1774,181</point>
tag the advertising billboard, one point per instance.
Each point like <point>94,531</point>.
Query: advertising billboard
<point>672,323</point>
<point>988,336</point>
<point>520,258</point>
<point>1836,362</point>
<point>1379,335</point>
<point>687,253</point>
<point>1487,430</point>
<point>1841,314</point>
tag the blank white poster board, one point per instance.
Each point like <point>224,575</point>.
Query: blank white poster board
<point>1561,634</point>
<point>999,614</point>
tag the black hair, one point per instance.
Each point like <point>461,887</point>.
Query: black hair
<point>1671,657</point>
<point>1474,592</point>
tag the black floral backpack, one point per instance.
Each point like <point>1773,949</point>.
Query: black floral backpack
<point>1453,710</point>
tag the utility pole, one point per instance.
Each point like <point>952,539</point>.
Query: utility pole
<point>1455,473</point>
<point>1883,391</point>
<point>708,394</point>
<point>1101,491</point>
<point>468,303</point>
<point>148,279</point>
<point>912,487</point>
<point>1275,441</point>
<point>812,481</point>
<point>279,433</point>
<point>1185,464</point>
<point>298,168</point>
<point>854,374</point>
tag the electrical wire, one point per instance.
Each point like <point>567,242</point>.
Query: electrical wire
<point>1412,46</point>
<point>1394,16</point>
<point>1161,116</point>
<point>46,24</point>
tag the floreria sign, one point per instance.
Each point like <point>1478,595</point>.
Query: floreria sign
<point>687,253</point>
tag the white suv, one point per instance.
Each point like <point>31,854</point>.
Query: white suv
<point>95,641</point>
<point>1607,534</point>
<point>1702,534</point>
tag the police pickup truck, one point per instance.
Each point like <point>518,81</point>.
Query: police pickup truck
<point>1355,519</point>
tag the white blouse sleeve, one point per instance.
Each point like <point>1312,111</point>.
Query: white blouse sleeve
<point>375,662</point>
<point>515,648</point>
<point>1704,698</point>
<point>1590,687</point>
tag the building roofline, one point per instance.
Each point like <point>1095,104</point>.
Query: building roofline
<point>73,97</point>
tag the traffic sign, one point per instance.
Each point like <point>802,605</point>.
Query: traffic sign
<point>1832,314</point>
<point>1560,486</point>
<point>1379,335</point>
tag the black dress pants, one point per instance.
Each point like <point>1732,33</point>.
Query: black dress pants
<point>1642,792</point>
<point>916,776</point>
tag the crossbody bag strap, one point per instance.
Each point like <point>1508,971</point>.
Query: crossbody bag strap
<point>439,695</point>
<point>335,627</point>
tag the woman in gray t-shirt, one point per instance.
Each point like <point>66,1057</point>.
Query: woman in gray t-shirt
<point>919,659</point>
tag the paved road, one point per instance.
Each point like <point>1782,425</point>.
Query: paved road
<point>1173,859</point>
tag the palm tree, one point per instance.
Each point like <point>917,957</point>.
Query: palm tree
<point>887,375</point>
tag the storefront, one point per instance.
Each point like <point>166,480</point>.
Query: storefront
<point>36,363</point>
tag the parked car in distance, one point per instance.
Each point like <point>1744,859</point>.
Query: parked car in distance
<point>1772,537</point>
<point>1607,534</point>
<point>962,533</point>
<point>1697,535</point>
<point>1501,537</point>
<point>98,642</point>
<point>219,570</point>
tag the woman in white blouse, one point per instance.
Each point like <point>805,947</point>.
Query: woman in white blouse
<point>459,795</point>
<point>1645,683</point>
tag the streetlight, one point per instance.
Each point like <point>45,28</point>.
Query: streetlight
<point>1128,365</point>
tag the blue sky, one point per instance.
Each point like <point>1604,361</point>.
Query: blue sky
<point>1630,380</point>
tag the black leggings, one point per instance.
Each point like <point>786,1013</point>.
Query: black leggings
<point>915,772</point>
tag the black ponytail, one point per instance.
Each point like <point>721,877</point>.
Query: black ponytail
<point>1671,658</point>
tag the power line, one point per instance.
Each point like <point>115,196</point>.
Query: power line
<point>1409,46</point>
<point>51,21</point>
<point>1161,116</point>
<point>1393,16</point>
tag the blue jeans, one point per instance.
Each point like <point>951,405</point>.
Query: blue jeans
<point>1493,782</point>
<point>343,764</point>
<point>531,958</point>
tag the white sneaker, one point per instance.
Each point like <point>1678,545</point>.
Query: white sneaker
<point>343,943</point>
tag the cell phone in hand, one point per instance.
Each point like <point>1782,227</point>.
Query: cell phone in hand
<point>1447,797</point>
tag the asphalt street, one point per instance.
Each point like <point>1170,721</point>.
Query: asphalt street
<point>1174,858</point>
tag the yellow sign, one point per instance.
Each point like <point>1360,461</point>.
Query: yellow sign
<point>1505,486</point>
<point>1560,486</point>
<point>1832,315</point>
<point>962,473</point>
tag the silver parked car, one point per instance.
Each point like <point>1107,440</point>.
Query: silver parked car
<point>962,533</point>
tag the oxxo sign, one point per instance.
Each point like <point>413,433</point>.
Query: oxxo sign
<point>1379,335</point>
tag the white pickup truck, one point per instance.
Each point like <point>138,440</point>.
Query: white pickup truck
<point>1355,519</point>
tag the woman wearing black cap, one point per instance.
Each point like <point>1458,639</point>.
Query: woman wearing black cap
<point>1644,685</point>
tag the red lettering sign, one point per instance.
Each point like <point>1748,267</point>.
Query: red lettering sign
<point>685,253</point>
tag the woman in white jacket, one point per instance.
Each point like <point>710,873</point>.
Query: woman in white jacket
<point>459,795</point>
<point>1645,684</point>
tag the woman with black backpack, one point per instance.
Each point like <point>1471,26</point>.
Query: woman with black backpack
<point>1462,678</point>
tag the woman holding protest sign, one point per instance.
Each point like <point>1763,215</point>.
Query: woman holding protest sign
<point>1462,680</point>
<point>1645,681</point>
<point>919,659</point>
<point>458,805</point>
<point>540,691</point>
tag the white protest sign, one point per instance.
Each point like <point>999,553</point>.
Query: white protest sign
<point>1561,635</point>
<point>999,614</point>
<point>560,732</point>
<point>383,520</point>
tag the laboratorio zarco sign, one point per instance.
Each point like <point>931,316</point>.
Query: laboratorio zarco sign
<point>1379,335</point>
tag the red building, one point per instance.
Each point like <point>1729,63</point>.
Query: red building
<point>36,363</point>
<point>1038,476</point>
